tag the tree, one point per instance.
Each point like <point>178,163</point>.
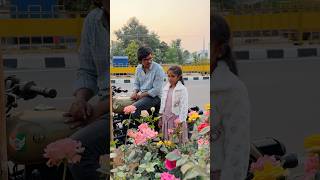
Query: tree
<point>116,49</point>
<point>134,31</point>
<point>186,55</point>
<point>171,56</point>
<point>195,57</point>
<point>179,51</point>
<point>161,52</point>
<point>131,52</point>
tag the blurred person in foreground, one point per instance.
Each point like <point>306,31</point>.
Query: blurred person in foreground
<point>92,79</point>
<point>230,123</point>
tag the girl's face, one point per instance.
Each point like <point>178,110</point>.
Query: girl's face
<point>173,78</point>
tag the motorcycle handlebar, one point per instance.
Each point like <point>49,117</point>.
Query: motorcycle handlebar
<point>46,92</point>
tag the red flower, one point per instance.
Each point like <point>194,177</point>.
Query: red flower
<point>201,126</point>
<point>170,165</point>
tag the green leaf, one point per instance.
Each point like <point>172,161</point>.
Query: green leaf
<point>156,118</point>
<point>122,168</point>
<point>147,157</point>
<point>143,166</point>
<point>158,175</point>
<point>186,167</point>
<point>191,174</point>
<point>150,168</point>
<point>164,149</point>
<point>121,174</point>
<point>205,130</point>
<point>172,156</point>
<point>131,155</point>
<point>137,176</point>
<point>182,161</point>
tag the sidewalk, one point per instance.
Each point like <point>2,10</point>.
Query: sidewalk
<point>129,79</point>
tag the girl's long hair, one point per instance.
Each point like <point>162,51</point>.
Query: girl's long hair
<point>221,36</point>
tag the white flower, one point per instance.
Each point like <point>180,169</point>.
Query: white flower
<point>153,109</point>
<point>144,113</point>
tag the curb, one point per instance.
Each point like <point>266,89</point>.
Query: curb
<point>128,81</point>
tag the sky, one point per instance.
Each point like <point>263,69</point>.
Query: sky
<point>188,20</point>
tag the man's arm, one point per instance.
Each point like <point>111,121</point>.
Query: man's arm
<point>87,73</point>
<point>84,94</point>
<point>157,84</point>
<point>136,83</point>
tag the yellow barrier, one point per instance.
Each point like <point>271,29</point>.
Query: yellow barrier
<point>293,20</point>
<point>41,27</point>
<point>185,69</point>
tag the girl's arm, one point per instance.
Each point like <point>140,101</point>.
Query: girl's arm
<point>184,106</point>
<point>236,122</point>
<point>162,102</point>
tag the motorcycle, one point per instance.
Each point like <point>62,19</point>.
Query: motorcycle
<point>271,147</point>
<point>30,131</point>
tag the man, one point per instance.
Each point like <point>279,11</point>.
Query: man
<point>148,82</point>
<point>92,79</point>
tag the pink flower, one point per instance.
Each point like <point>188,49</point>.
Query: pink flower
<point>129,109</point>
<point>206,119</point>
<point>170,165</point>
<point>259,164</point>
<point>144,113</point>
<point>147,131</point>
<point>143,126</point>
<point>177,122</point>
<point>311,167</point>
<point>140,138</point>
<point>131,133</point>
<point>206,142</point>
<point>177,152</point>
<point>168,176</point>
<point>207,113</point>
<point>143,135</point>
<point>63,149</point>
<point>200,142</point>
<point>170,131</point>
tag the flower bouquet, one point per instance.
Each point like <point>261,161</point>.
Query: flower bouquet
<point>146,156</point>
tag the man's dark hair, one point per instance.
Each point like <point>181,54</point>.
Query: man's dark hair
<point>143,52</point>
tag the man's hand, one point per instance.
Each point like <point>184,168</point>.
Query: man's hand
<point>78,113</point>
<point>134,95</point>
<point>80,109</point>
<point>142,94</point>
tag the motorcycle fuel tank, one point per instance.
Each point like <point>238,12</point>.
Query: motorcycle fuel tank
<point>30,131</point>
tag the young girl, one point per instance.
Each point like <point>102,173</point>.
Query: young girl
<point>230,123</point>
<point>174,104</point>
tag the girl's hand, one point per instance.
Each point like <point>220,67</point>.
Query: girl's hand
<point>177,122</point>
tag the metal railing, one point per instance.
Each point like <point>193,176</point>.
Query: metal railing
<point>130,70</point>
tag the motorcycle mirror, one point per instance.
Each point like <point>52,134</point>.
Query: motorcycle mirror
<point>290,161</point>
